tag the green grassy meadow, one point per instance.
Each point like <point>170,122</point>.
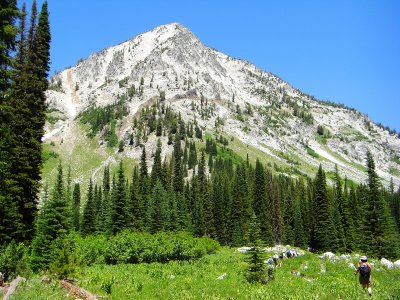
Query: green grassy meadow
<point>299,278</point>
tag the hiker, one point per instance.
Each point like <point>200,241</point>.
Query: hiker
<point>277,263</point>
<point>364,268</point>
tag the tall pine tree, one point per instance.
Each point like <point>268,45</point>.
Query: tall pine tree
<point>324,231</point>
<point>381,236</point>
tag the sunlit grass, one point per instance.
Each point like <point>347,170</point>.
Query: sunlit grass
<point>299,278</point>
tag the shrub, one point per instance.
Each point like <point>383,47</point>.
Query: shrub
<point>133,247</point>
<point>13,259</point>
<point>63,259</point>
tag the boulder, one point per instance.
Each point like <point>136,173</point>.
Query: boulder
<point>345,256</point>
<point>243,249</point>
<point>386,263</point>
<point>328,255</point>
<point>222,276</point>
<point>396,264</point>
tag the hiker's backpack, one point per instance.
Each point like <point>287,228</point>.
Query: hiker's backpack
<point>365,270</point>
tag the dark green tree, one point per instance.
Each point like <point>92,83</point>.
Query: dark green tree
<point>324,231</point>
<point>178,171</point>
<point>156,172</point>
<point>260,204</point>
<point>119,214</point>
<point>379,228</point>
<point>136,209</point>
<point>53,221</point>
<point>28,117</point>
<point>298,226</point>
<point>88,217</point>
<point>76,205</point>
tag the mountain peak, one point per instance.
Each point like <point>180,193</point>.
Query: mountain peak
<point>166,31</point>
<point>254,106</point>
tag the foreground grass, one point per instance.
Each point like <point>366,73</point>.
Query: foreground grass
<point>299,278</point>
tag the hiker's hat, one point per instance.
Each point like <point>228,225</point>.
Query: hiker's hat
<point>364,258</point>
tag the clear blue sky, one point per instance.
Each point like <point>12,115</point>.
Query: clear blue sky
<point>343,51</point>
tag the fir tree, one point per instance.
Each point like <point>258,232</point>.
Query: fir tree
<point>197,208</point>
<point>298,227</point>
<point>192,160</point>
<point>53,221</point>
<point>98,206</point>
<point>286,192</point>
<point>204,194</point>
<point>183,216</point>
<point>119,217</point>
<point>143,172</point>
<point>379,228</point>
<point>158,210</point>
<point>323,229</point>
<point>8,32</point>
<point>236,230</point>
<point>156,172</point>
<point>29,105</point>
<point>260,204</point>
<point>343,222</point>
<point>178,172</point>
<point>105,211</point>
<point>76,205</point>
<point>88,218</point>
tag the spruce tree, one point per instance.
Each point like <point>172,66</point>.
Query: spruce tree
<point>143,172</point>
<point>105,211</point>
<point>221,201</point>
<point>158,210</point>
<point>343,222</point>
<point>192,160</point>
<point>156,172</point>
<point>178,172</point>
<point>197,208</point>
<point>53,222</point>
<point>208,208</point>
<point>11,214</point>
<point>29,105</point>
<point>88,218</point>
<point>237,230</point>
<point>260,204</point>
<point>76,205</point>
<point>298,230</point>
<point>287,199</point>
<point>98,207</point>
<point>379,229</point>
<point>323,228</point>
<point>8,32</point>
<point>183,215</point>
<point>136,209</point>
<point>119,216</point>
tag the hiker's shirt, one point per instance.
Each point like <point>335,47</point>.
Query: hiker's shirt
<point>365,278</point>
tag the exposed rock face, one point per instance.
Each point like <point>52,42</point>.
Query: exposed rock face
<point>250,104</point>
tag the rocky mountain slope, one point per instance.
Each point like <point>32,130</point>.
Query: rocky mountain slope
<point>257,111</point>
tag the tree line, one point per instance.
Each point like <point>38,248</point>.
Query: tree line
<point>235,204</point>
